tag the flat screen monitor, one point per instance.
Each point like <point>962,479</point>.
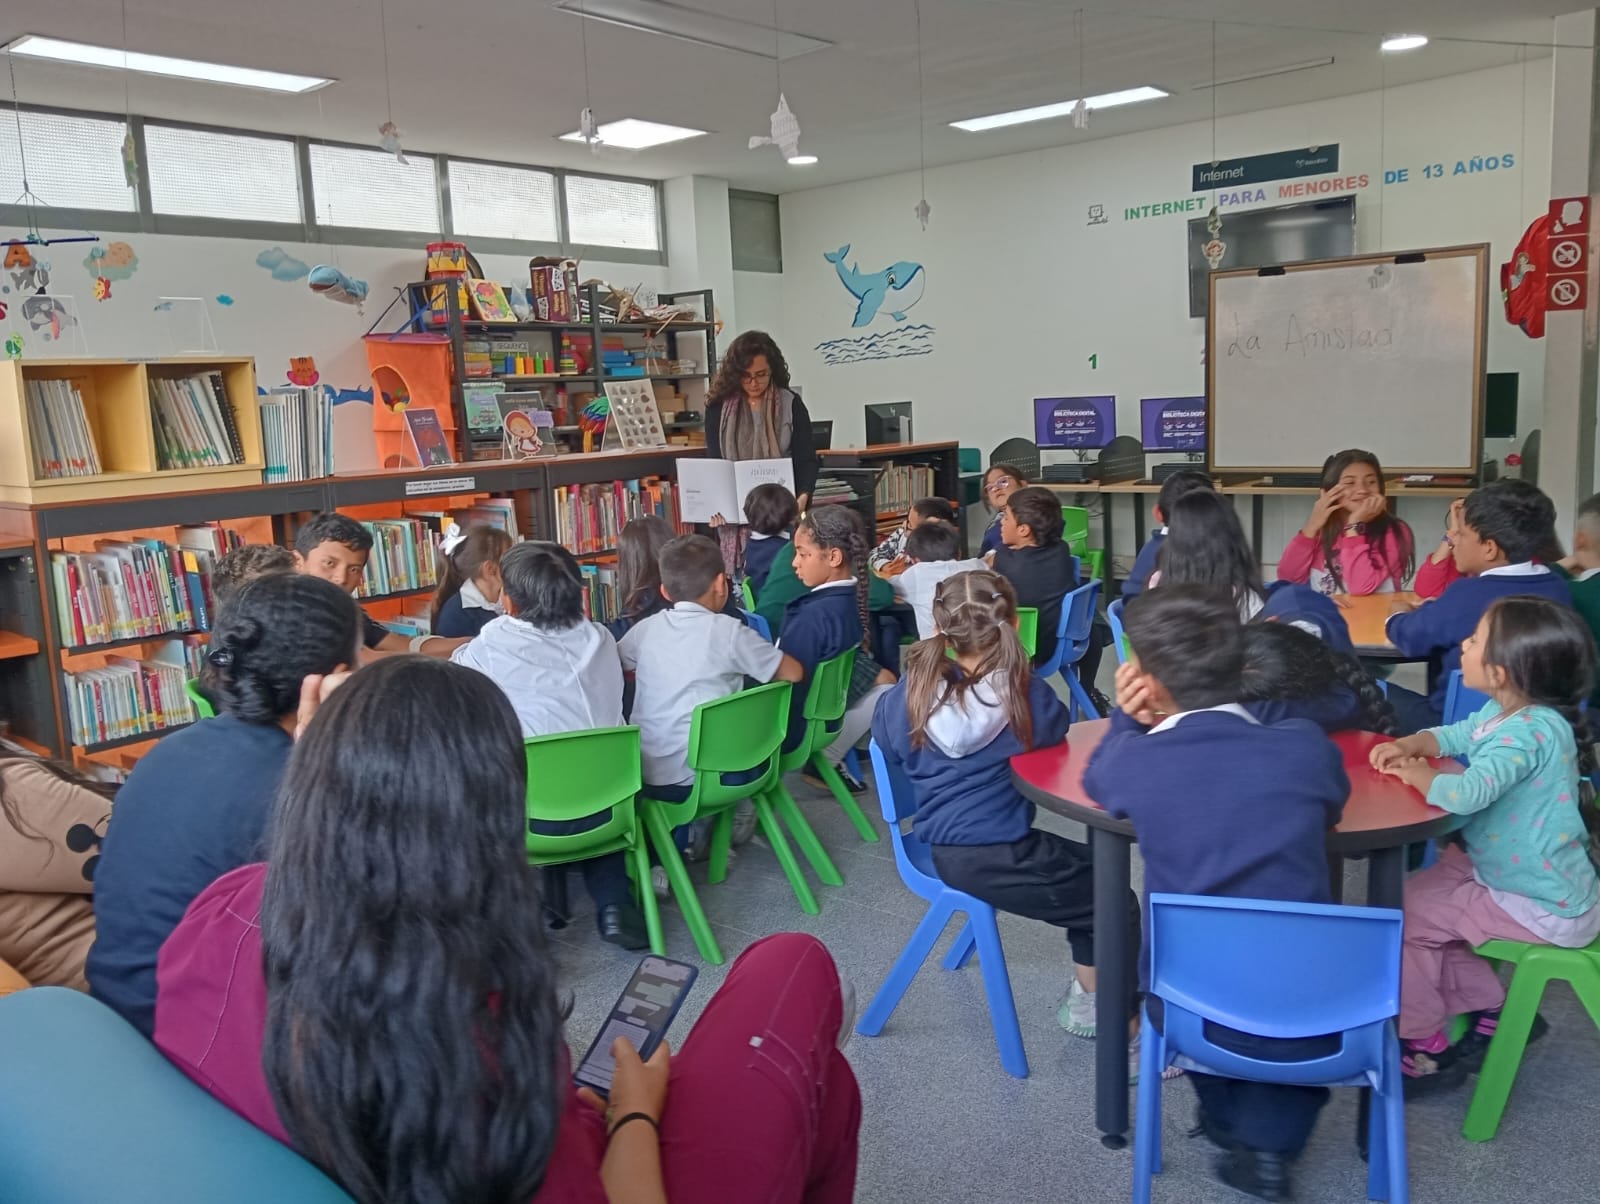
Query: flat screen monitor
<point>1172,424</point>
<point>1258,238</point>
<point>888,422</point>
<point>1074,423</point>
<point>822,434</point>
<point>1500,406</point>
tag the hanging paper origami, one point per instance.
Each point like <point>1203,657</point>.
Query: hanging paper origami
<point>389,139</point>
<point>785,131</point>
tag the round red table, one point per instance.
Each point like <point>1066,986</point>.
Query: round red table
<point>1381,817</point>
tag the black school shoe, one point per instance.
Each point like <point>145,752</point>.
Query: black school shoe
<point>1264,1176</point>
<point>621,924</point>
<point>1472,1048</point>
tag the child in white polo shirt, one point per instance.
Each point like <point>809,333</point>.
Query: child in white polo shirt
<point>688,655</point>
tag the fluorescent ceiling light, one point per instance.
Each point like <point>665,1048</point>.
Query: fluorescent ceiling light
<point>1109,100</point>
<point>1265,73</point>
<point>801,160</point>
<point>1404,41</point>
<point>632,133</point>
<point>692,25</point>
<point>57,50</point>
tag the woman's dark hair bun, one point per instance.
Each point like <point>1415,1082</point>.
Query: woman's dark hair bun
<point>238,638</point>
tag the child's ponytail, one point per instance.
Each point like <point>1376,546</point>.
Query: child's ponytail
<point>976,616</point>
<point>838,526</point>
<point>462,558</point>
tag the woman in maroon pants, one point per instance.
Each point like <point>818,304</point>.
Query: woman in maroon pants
<point>378,995</point>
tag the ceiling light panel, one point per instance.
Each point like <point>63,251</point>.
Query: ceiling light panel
<point>1107,100</point>
<point>86,55</point>
<point>692,25</point>
<point>634,133</point>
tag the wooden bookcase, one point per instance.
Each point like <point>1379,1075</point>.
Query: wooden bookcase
<point>943,459</point>
<point>116,399</point>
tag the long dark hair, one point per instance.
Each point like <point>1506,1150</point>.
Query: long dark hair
<point>639,564</point>
<point>976,614</point>
<point>1548,655</point>
<point>481,545</point>
<point>1377,531</point>
<point>837,526</point>
<point>1205,545</point>
<point>413,1033</point>
<point>1283,663</point>
<point>277,631</point>
<point>736,361</point>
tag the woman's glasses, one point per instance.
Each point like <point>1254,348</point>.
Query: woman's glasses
<point>756,378</point>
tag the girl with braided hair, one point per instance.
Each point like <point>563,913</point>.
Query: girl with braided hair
<point>1526,873</point>
<point>1291,674</point>
<point>830,558</point>
<point>968,703</point>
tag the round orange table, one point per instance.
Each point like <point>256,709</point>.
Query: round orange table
<point>1381,817</point>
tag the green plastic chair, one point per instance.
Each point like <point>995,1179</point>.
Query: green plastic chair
<point>1536,966</point>
<point>824,707</point>
<point>202,705</point>
<point>748,594</point>
<point>1028,629</point>
<point>580,775</point>
<point>1075,531</point>
<point>736,734</point>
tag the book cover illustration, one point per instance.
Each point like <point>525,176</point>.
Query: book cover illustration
<point>529,432</point>
<point>428,438</point>
<point>489,299</point>
<point>483,410</point>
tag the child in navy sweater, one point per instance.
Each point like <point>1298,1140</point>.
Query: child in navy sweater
<point>469,580</point>
<point>1173,488</point>
<point>1291,674</point>
<point>1222,805</point>
<point>1504,528</point>
<point>771,511</point>
<point>953,726</point>
<point>830,558</point>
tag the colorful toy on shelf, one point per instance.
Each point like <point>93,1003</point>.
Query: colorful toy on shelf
<point>447,261</point>
<point>333,284</point>
<point>592,421</point>
<point>409,371</point>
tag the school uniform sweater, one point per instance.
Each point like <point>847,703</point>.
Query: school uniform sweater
<point>816,627</point>
<point>1310,611</point>
<point>1223,805</point>
<point>962,774</point>
<point>1435,629</point>
<point>1338,710</point>
<point>195,806</point>
<point>783,587</point>
<point>1143,565</point>
<point>457,619</point>
<point>1585,589</point>
<point>760,554</point>
<point>1041,577</point>
<point>991,537</point>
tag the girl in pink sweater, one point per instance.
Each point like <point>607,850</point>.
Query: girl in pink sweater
<point>1351,544</point>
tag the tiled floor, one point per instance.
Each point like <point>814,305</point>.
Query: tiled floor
<point>944,1123</point>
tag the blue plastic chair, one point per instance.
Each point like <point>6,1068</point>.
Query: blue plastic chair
<point>1282,970</point>
<point>758,624</point>
<point>1460,701</point>
<point>1072,641</point>
<point>1118,638</point>
<point>75,1077</point>
<point>915,862</point>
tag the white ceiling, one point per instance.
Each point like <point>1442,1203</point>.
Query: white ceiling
<point>501,79</point>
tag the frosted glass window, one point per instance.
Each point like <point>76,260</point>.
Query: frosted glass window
<point>491,200</point>
<point>203,173</point>
<point>612,213</point>
<point>73,162</point>
<point>374,190</point>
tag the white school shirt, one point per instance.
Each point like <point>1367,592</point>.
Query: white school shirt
<point>558,680</point>
<point>679,659</point>
<point>920,582</point>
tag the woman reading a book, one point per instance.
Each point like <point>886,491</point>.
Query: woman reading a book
<point>754,415</point>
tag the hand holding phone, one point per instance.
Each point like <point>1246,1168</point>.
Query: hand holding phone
<point>635,1028</point>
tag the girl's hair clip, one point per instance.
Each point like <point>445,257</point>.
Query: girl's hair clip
<point>454,537</point>
<point>222,658</point>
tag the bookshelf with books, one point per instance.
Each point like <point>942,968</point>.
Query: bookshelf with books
<point>27,713</point>
<point>91,428</point>
<point>906,472</point>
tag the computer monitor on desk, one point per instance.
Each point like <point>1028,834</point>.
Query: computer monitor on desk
<point>1173,424</point>
<point>888,422</point>
<point>1079,424</point>
<point>822,433</point>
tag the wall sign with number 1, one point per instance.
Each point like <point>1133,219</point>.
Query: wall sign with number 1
<point>1094,361</point>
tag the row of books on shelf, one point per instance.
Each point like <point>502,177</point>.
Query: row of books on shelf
<point>63,443</point>
<point>902,484</point>
<point>590,517</point>
<point>296,434</point>
<point>601,598</point>
<point>127,589</point>
<point>194,423</point>
<point>403,557</point>
<point>128,697</point>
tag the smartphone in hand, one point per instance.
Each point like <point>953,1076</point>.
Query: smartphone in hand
<point>642,1014</point>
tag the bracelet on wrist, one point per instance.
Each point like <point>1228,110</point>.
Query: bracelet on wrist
<point>622,1120</point>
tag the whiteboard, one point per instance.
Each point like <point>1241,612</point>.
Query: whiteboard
<point>1380,352</point>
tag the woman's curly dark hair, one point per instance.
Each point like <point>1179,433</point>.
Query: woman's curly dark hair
<point>736,361</point>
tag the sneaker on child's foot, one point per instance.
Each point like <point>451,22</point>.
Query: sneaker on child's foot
<point>744,822</point>
<point>698,845</point>
<point>1076,1013</point>
<point>851,783</point>
<point>1426,1071</point>
<point>1474,1043</point>
<point>659,882</point>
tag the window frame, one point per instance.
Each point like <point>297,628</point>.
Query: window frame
<point>144,220</point>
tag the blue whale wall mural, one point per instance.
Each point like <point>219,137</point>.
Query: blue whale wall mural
<point>899,286</point>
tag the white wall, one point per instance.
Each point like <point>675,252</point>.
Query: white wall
<point>1021,288</point>
<point>758,301</point>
